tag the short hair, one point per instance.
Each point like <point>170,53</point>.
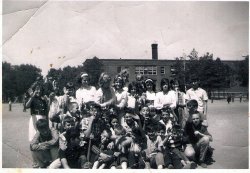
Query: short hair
<point>68,119</point>
<point>192,103</point>
<point>72,132</point>
<point>196,112</point>
<point>71,104</point>
<point>108,131</point>
<point>161,126</point>
<point>42,124</point>
<point>70,85</point>
<point>165,81</point>
<point>119,130</point>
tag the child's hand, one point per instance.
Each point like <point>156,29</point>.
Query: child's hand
<point>116,154</point>
<point>196,133</point>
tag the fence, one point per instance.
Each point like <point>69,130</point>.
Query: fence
<point>233,95</point>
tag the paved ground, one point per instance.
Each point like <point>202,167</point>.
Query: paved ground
<point>228,123</point>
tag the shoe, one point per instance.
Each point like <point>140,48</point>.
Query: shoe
<point>203,165</point>
<point>170,166</point>
<point>35,165</point>
<point>193,165</point>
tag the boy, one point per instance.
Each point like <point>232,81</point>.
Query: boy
<point>44,146</point>
<point>153,153</point>
<point>104,156</point>
<point>197,138</point>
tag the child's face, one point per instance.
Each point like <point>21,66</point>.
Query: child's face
<point>94,111</point>
<point>149,86</point>
<point>151,135</point>
<point>161,133</point>
<point>145,112</point>
<point>44,132</point>
<point>133,90</point>
<point>67,125</point>
<point>165,116</point>
<point>118,84</point>
<point>114,123</point>
<point>128,118</point>
<point>196,119</point>
<point>104,137</point>
<point>165,87</point>
<point>85,81</point>
<point>74,108</point>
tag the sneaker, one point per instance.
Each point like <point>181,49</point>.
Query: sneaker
<point>203,165</point>
<point>35,165</point>
<point>170,166</point>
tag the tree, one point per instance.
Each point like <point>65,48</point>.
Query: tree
<point>243,72</point>
<point>94,68</point>
<point>17,79</point>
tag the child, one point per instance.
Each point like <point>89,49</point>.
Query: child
<point>174,155</point>
<point>74,155</point>
<point>104,156</point>
<point>44,145</point>
<point>153,153</point>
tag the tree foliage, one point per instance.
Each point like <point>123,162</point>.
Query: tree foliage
<point>213,74</point>
<point>17,79</point>
<point>243,71</point>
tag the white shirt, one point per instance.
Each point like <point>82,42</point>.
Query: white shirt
<point>199,95</point>
<point>84,95</point>
<point>163,99</point>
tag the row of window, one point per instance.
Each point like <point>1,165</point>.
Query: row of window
<point>146,70</point>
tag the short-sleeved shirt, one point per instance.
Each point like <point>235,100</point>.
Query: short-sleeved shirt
<point>84,95</point>
<point>163,99</point>
<point>199,95</point>
<point>153,146</point>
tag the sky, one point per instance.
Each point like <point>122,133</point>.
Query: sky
<point>56,34</point>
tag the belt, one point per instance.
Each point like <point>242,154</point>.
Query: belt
<point>39,112</point>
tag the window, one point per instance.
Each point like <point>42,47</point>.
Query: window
<point>162,70</point>
<point>146,70</point>
<point>119,69</point>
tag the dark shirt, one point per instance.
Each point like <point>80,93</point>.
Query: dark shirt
<point>189,132</point>
<point>38,106</point>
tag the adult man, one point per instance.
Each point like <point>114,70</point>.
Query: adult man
<point>200,95</point>
<point>197,138</point>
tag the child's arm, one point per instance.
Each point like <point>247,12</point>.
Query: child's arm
<point>54,139</point>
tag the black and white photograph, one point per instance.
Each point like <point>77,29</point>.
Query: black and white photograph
<point>125,84</point>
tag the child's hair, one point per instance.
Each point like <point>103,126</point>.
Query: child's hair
<point>119,130</point>
<point>42,124</point>
<point>68,119</point>
<point>192,103</point>
<point>165,81</point>
<point>101,80</point>
<point>196,112</point>
<point>119,79</point>
<point>152,82</point>
<point>70,85</point>
<point>92,104</point>
<point>131,86</point>
<point>71,105</point>
<point>82,74</point>
<point>72,132</point>
<point>108,131</point>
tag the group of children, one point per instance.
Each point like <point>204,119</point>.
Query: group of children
<point>118,126</point>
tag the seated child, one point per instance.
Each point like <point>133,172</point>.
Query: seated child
<point>104,155</point>
<point>44,146</point>
<point>74,155</point>
<point>173,146</point>
<point>153,155</point>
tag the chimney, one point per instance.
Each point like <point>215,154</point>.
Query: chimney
<point>154,51</point>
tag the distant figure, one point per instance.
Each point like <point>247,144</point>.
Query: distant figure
<point>229,98</point>
<point>10,104</point>
<point>240,97</point>
<point>232,97</point>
